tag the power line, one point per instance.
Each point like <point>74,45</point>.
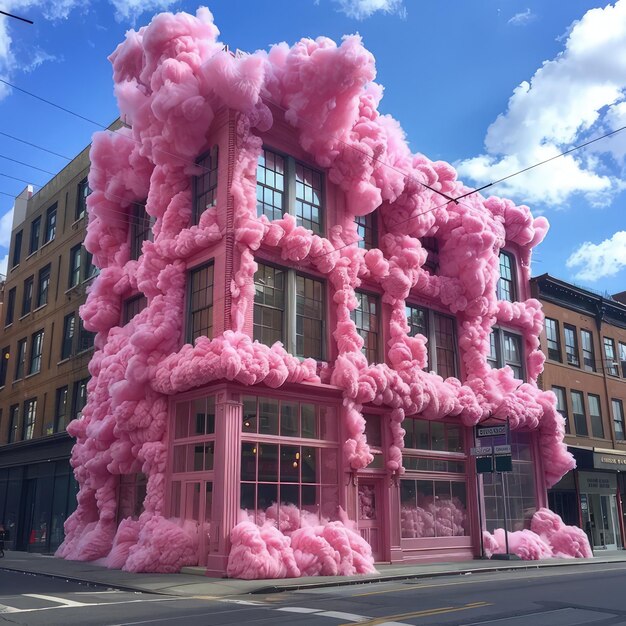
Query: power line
<point>21,180</point>
<point>17,17</point>
<point>34,145</point>
<point>2,156</point>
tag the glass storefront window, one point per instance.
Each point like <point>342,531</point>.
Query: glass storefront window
<point>270,416</point>
<point>433,508</point>
<point>520,488</point>
<point>433,435</point>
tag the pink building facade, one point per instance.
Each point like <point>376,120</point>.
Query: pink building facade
<point>297,328</point>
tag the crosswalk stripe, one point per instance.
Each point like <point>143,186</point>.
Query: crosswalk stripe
<point>62,601</point>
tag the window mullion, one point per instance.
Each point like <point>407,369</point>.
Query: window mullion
<point>290,187</point>
<point>431,348</point>
<point>289,330</point>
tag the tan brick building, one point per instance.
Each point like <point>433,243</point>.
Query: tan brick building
<point>44,353</point>
<point>584,341</point>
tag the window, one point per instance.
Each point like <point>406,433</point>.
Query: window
<point>27,295</point>
<point>309,317</point>
<point>431,245</point>
<point>14,422</point>
<point>30,414</point>
<point>74,277</point>
<point>205,184</point>
<point>440,331</point>
<point>90,269</point>
<point>288,186</point>
<point>505,348</point>
<point>578,409</point>
<point>366,317</point>
<point>561,405</point>
<point>366,229</point>
<point>60,409</point>
<point>553,339</point>
<point>51,223</point>
<point>11,306</point>
<point>36,349</point>
<point>597,428</point>
<point>200,322</point>
<point>609,355</point>
<point>85,337</point>
<point>81,199</point>
<point>434,435</point>
<point>4,365</point>
<point>79,399</point>
<point>269,304</point>
<point>21,359</point>
<point>618,419</point>
<point>17,248</point>
<point>589,358</point>
<point>67,344</point>
<point>140,230</point>
<point>309,198</point>
<point>571,345</point>
<point>134,306</point>
<point>43,283</point>
<point>302,472</point>
<point>300,326</point>
<point>270,185</point>
<point>506,283</point>
<point>35,229</point>
<point>622,357</point>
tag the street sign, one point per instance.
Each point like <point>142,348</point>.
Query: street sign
<point>504,463</point>
<point>484,464</point>
<point>502,450</point>
<point>490,431</point>
<point>484,451</point>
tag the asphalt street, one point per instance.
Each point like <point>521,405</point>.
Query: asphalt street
<point>590,594</point>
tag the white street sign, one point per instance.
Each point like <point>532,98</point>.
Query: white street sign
<point>484,451</point>
<point>502,449</point>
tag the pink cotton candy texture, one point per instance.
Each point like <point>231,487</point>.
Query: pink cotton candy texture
<point>548,537</point>
<point>173,78</point>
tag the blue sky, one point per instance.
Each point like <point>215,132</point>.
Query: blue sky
<point>490,85</point>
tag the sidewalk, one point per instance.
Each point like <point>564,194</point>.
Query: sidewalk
<point>191,582</point>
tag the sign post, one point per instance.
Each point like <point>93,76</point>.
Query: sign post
<point>495,458</point>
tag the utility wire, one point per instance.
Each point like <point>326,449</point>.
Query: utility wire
<point>2,156</point>
<point>17,17</point>
<point>34,145</point>
<point>21,180</point>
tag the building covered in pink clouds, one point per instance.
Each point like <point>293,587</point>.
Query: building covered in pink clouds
<point>297,324</point>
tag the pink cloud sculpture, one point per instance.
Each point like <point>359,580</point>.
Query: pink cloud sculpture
<point>173,79</point>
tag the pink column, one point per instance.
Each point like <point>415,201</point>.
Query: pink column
<point>226,481</point>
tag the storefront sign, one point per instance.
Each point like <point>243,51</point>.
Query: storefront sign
<point>490,431</point>
<point>484,451</point>
<point>609,461</point>
<point>597,482</point>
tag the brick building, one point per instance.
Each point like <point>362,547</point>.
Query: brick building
<point>584,341</point>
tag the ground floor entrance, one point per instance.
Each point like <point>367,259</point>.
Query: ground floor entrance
<point>278,457</point>
<point>37,495</point>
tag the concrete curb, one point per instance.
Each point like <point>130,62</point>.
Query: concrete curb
<point>527,565</point>
<point>82,581</point>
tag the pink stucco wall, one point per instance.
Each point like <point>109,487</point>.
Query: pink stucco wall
<point>182,93</point>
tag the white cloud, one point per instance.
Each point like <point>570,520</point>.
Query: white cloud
<point>599,260</point>
<point>362,9</point>
<point>132,9</point>
<point>523,18</point>
<point>4,264</point>
<point>125,11</point>
<point>570,99</point>
<point>6,224</point>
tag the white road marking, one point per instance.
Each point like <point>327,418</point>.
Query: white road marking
<point>298,609</point>
<point>349,617</point>
<point>62,601</point>
<point>244,602</point>
<point>69,604</point>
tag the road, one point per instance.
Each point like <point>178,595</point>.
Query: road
<point>585,594</point>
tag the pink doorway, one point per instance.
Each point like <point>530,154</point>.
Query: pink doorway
<point>371,515</point>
